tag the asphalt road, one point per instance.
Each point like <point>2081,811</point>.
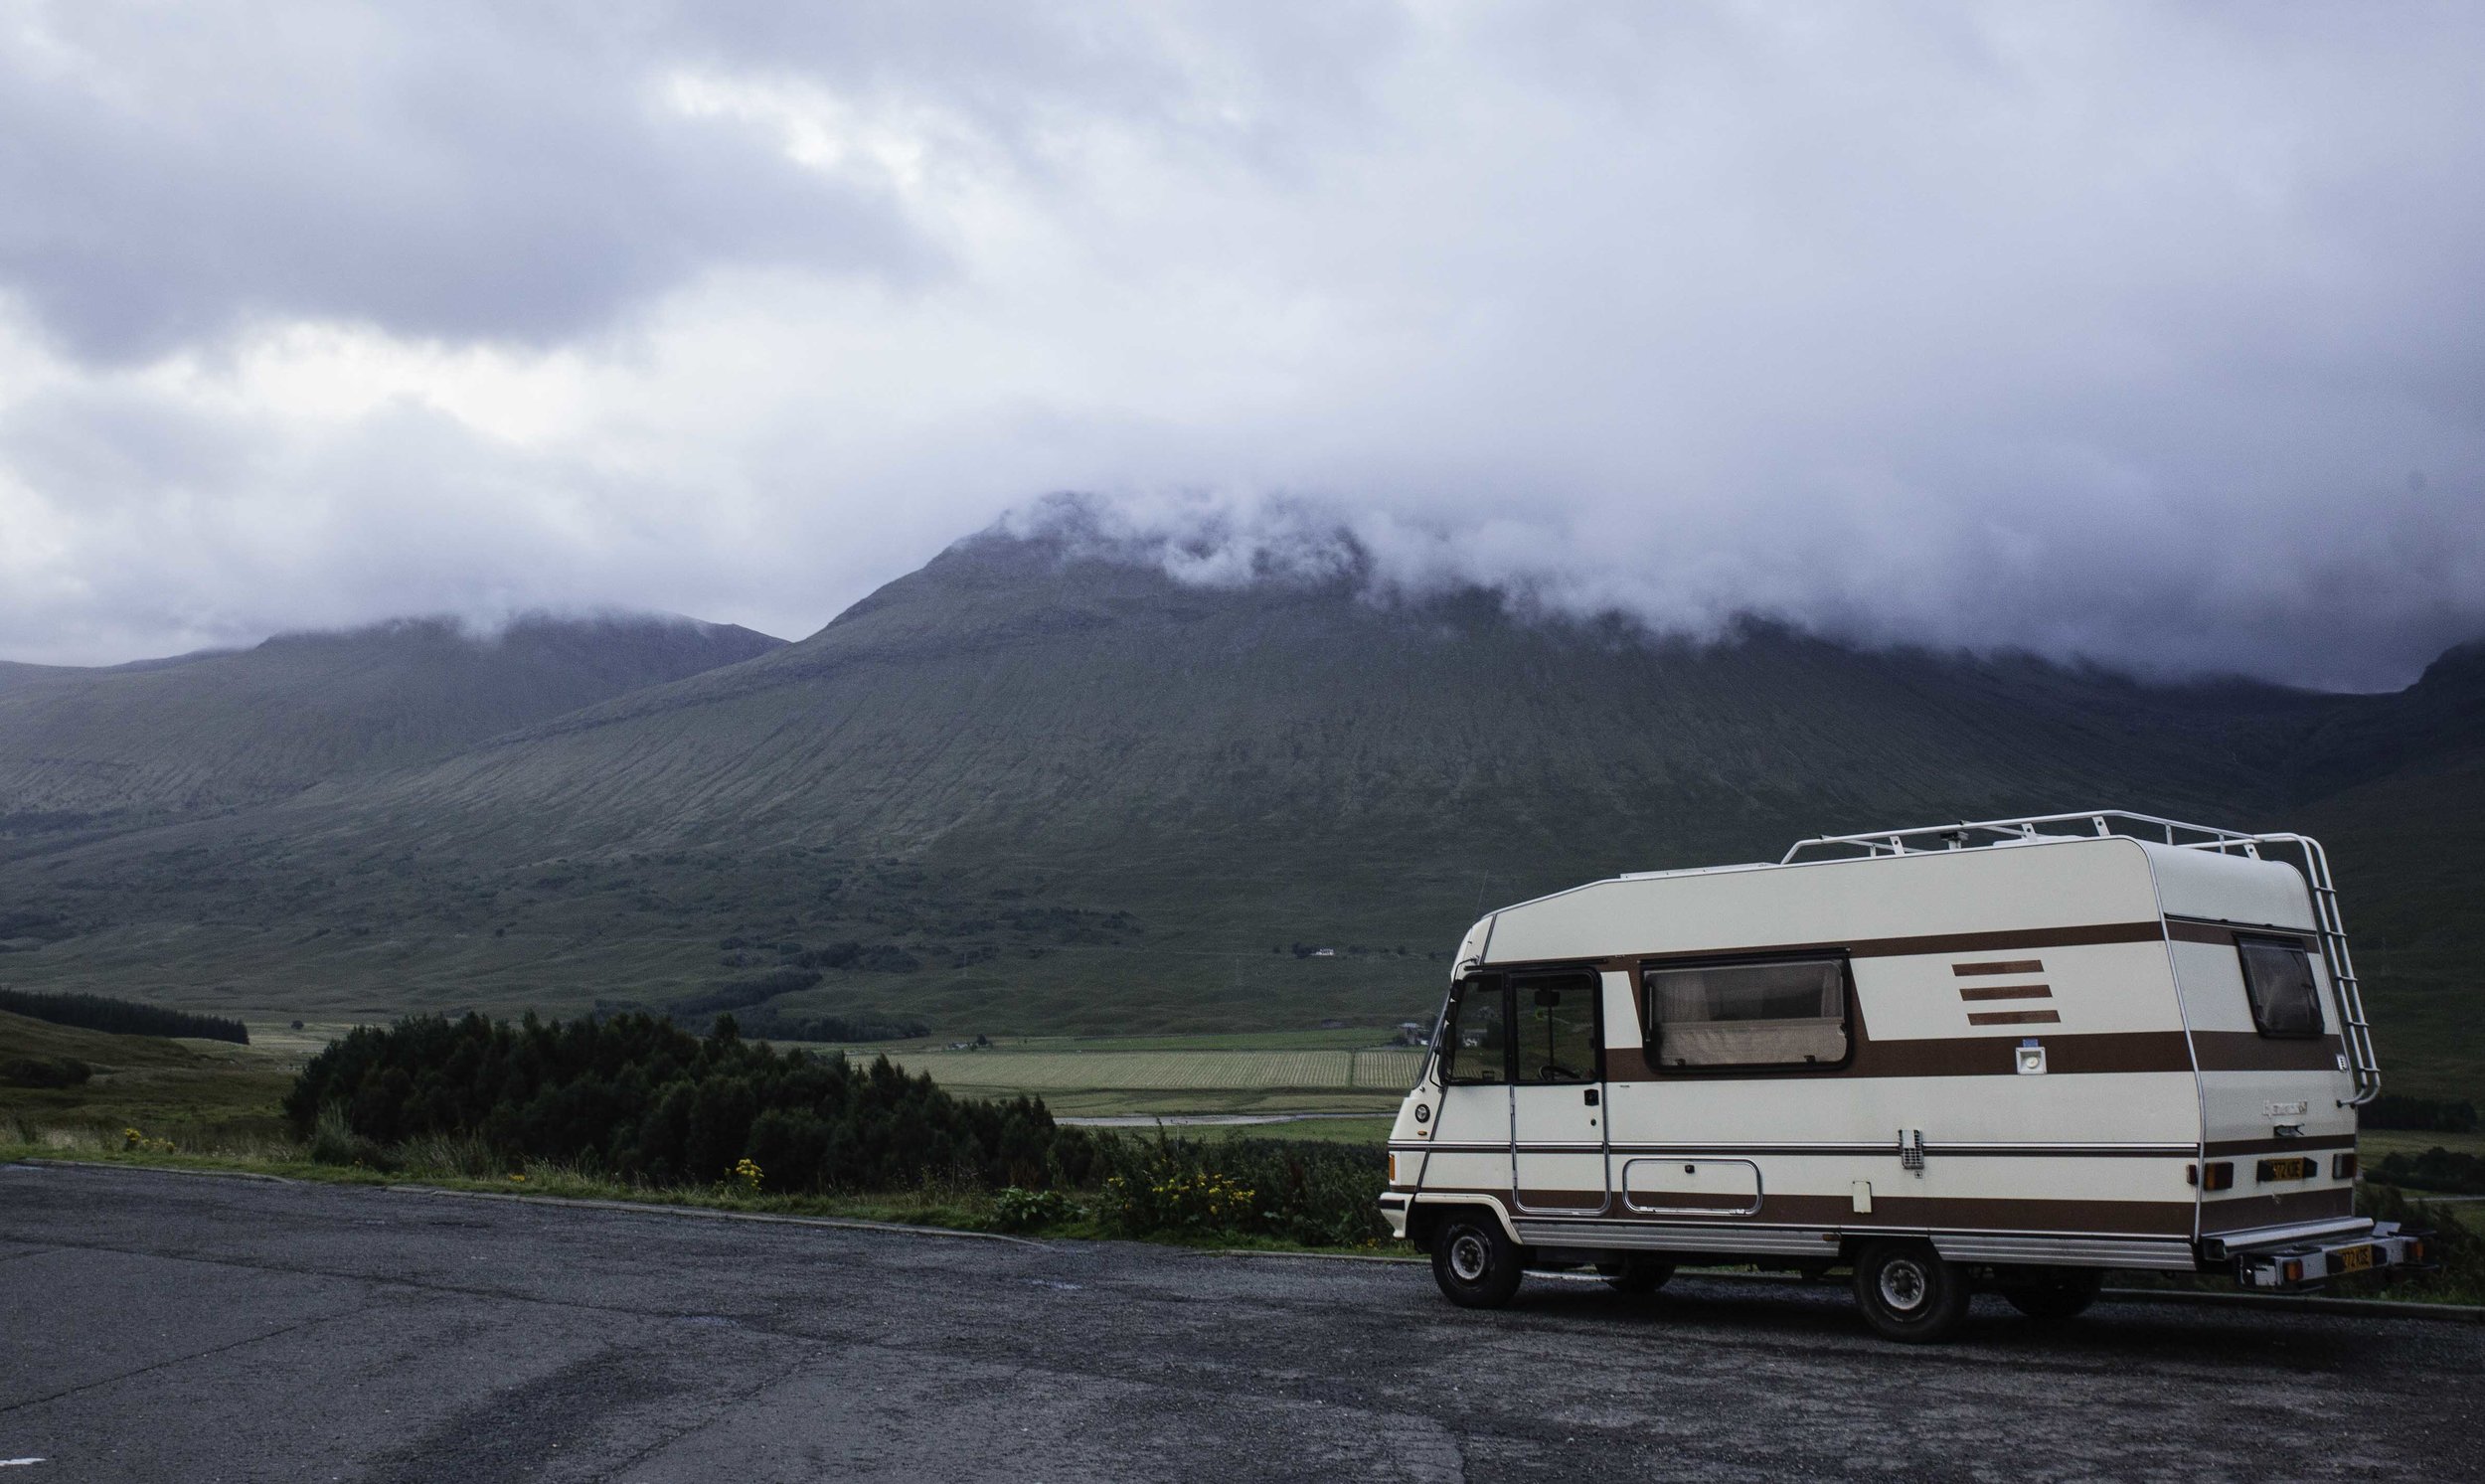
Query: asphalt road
<point>157,1326</point>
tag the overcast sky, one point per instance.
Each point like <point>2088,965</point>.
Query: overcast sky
<point>2150,334</point>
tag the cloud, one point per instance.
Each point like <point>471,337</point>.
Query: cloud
<point>442,170</point>
<point>2132,332</point>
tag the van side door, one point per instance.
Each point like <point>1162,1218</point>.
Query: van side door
<point>1556,1091</point>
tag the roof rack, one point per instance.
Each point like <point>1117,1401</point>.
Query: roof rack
<point>2307,856</point>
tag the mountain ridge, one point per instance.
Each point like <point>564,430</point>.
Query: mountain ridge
<point>220,729</point>
<point>1050,790</point>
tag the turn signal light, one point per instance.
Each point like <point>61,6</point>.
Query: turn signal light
<point>2416,1249</point>
<point>2218,1176</point>
<point>1393,1169</point>
<point>2293,1270</point>
<point>2342,1166</point>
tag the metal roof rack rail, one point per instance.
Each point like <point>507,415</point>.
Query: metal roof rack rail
<point>2307,856</point>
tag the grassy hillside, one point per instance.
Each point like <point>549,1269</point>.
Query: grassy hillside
<point>83,749</point>
<point>1027,791</point>
<point>2408,851</point>
<point>145,1081</point>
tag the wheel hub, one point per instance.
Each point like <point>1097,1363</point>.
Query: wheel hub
<point>1902,1285</point>
<point>1469,1257</point>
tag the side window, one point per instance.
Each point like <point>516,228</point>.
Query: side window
<point>1556,1028</point>
<point>1476,1044</point>
<point>2278,977</point>
<point>1785,1013</point>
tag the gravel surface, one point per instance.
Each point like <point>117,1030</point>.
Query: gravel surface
<point>159,1326</point>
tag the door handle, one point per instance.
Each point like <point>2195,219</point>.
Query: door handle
<point>1590,1097</point>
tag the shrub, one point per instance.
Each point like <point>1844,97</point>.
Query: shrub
<point>1187,1201</point>
<point>45,1071</point>
<point>120,1017</point>
<point>1016,1209</point>
<point>2459,1251</point>
<point>1314,1194</point>
<point>2439,1170</point>
<point>333,1141</point>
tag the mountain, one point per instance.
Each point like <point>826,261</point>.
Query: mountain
<point>1034,787</point>
<point>13,673</point>
<point>213,732</point>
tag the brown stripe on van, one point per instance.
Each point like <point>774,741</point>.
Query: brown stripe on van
<point>2004,966</point>
<point>2283,1209</point>
<point>2014,1018</point>
<point>2003,941</point>
<point>2220,1148</point>
<point>2005,992</point>
<point>1902,1211</point>
<point>2084,935</point>
<point>1978,1056</point>
<point>2249,1050</point>
<point>2196,931</point>
<point>1950,1212</point>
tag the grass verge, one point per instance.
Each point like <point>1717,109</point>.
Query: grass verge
<point>959,1208</point>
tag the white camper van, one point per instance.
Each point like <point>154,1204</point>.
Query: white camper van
<point>2007,1055</point>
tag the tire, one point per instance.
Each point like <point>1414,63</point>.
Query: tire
<point>2059,1294</point>
<point>1476,1263</point>
<point>1907,1293</point>
<point>1636,1276</point>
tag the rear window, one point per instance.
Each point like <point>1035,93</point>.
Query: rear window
<point>1787,1013</point>
<point>2278,977</point>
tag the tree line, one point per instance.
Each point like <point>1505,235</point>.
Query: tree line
<point>120,1017</point>
<point>640,1099</point>
<point>635,1097</point>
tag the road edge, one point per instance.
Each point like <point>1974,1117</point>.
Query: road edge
<point>650,1208</point>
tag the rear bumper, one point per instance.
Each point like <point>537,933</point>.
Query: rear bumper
<point>1394,1211</point>
<point>2293,1266</point>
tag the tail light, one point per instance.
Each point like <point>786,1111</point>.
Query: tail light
<point>2416,1249</point>
<point>1393,1169</point>
<point>2293,1270</point>
<point>2218,1176</point>
<point>2342,1166</point>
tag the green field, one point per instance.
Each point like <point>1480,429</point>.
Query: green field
<point>1308,1071</point>
<point>1389,1072</point>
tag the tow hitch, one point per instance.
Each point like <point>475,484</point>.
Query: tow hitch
<point>2303,1265</point>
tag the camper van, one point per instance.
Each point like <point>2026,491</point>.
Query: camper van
<point>2005,1056</point>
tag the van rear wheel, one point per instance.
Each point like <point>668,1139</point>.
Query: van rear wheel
<point>1475,1261</point>
<point>2052,1295</point>
<point>1636,1276</point>
<point>1907,1293</point>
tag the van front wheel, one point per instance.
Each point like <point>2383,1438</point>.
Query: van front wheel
<point>1475,1261</point>
<point>1907,1293</point>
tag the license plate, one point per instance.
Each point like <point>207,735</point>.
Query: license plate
<point>2294,1168</point>
<point>2352,1260</point>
